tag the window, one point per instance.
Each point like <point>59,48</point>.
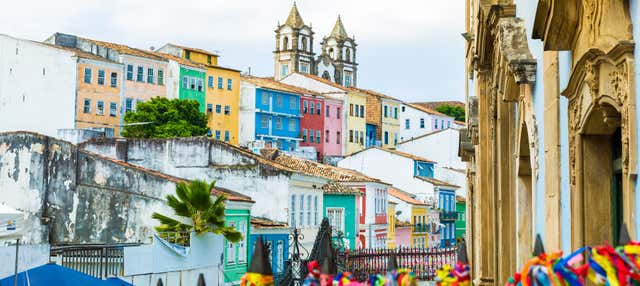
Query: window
<point>338,113</point>
<point>301,209</point>
<point>140,75</point>
<point>101,77</point>
<point>304,135</point>
<point>347,79</point>
<point>395,139</point>
<point>278,123</point>
<point>100,108</point>
<point>292,125</point>
<point>219,82</point>
<point>87,105</point>
<point>113,109</point>
<point>200,83</point>
<point>362,111</point>
<point>185,82</point>
<point>326,112</point>
<point>242,244</point>
<point>435,121</point>
<point>448,124</point>
<point>264,122</point>
<point>114,79</point>
<point>336,218</point>
<point>403,108</point>
<point>338,138</point>
<point>265,98</point>
<point>318,108</point>
<point>326,136</point>
<point>218,108</point>
<point>226,136</point>
<point>129,72</point>
<point>87,75</point>
<point>304,106</point>
<point>351,109</point>
<point>386,138</point>
<point>407,124</point>
<point>351,136</point>
<point>422,123</point>
<point>210,81</point>
<point>308,209</point>
<point>395,112</point>
<point>293,210</point>
<point>160,77</point>
<point>128,104</point>
<point>315,210</point>
<point>279,100</point>
<point>285,70</point>
<point>293,104</point>
<point>318,136</point>
<point>385,111</point>
<point>355,113</point>
<point>150,76</point>
<point>192,83</point>
<point>227,110</point>
<point>229,84</point>
<point>209,59</point>
<point>217,134</point>
<point>304,68</point>
<point>361,138</point>
<point>209,107</point>
<point>311,137</point>
<point>231,248</point>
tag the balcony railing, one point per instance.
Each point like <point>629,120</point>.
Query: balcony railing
<point>420,228</point>
<point>97,260</point>
<point>448,215</point>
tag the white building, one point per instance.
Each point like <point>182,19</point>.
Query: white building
<point>416,120</point>
<point>441,147</point>
<point>37,86</point>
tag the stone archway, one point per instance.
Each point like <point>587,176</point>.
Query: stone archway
<point>525,186</point>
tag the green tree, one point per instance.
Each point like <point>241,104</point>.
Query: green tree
<point>206,212</point>
<point>165,118</point>
<point>454,111</point>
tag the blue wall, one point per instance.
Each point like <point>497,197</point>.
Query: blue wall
<point>371,135</point>
<point>280,106</point>
<point>278,257</point>
<point>447,205</point>
<point>425,170</point>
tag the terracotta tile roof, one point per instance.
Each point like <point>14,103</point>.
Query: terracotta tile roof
<point>460,199</point>
<point>405,197</point>
<point>436,182</point>
<point>435,104</point>
<point>269,83</point>
<point>231,195</point>
<point>463,171</point>
<point>336,188</point>
<point>396,152</point>
<point>426,110</point>
<point>125,49</point>
<point>179,60</point>
<point>79,53</point>
<point>403,223</point>
<point>261,222</point>
<point>137,168</point>
<point>326,81</point>
<point>312,168</point>
<point>375,93</point>
<point>460,122</point>
<point>422,136</point>
<point>202,51</point>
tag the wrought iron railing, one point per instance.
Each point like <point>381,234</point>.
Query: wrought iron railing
<point>448,215</point>
<point>96,260</point>
<point>422,261</point>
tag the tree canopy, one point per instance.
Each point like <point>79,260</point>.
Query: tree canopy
<point>454,111</point>
<point>165,118</point>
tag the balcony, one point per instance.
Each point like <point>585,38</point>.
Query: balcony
<point>448,216</point>
<point>420,228</point>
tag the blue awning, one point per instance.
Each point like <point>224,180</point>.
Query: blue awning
<point>53,274</point>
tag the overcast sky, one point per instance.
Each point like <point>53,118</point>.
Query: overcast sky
<point>409,49</point>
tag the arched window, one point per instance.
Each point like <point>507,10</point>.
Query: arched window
<point>285,43</point>
<point>348,55</point>
<point>326,75</point>
<point>201,281</point>
<point>331,53</point>
<point>304,44</point>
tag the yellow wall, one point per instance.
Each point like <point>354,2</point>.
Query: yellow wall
<point>355,124</point>
<point>221,96</point>
<point>390,124</point>
<point>391,230</point>
<point>199,57</point>
<point>96,92</point>
<point>419,216</point>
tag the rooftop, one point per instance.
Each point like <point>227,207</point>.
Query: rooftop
<point>231,195</point>
<point>179,60</point>
<point>123,49</point>
<point>270,83</point>
<point>375,93</point>
<point>436,182</point>
<point>405,197</point>
<point>325,81</point>
<point>138,168</point>
<point>396,152</point>
<point>435,104</point>
<point>426,109</point>
<point>78,52</point>
<point>338,30</point>
<point>261,222</point>
<point>335,188</point>
<point>422,136</point>
<point>202,51</point>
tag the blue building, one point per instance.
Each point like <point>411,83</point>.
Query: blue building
<point>448,216</point>
<point>371,136</point>
<point>276,236</point>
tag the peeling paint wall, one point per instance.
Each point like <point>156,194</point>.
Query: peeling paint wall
<point>72,196</point>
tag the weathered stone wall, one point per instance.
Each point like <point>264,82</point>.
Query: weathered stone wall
<point>73,196</point>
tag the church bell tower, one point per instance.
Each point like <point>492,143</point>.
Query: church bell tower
<point>294,46</point>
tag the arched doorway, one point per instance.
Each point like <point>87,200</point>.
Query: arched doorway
<point>524,198</point>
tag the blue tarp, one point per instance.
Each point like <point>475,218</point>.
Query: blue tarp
<point>53,274</point>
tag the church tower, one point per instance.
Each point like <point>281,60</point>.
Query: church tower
<point>294,46</point>
<point>337,62</point>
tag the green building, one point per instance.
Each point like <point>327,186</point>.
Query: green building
<point>339,206</point>
<point>461,221</point>
<point>192,85</point>
<point>237,214</point>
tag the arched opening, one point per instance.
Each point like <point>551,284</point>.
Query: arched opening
<point>201,281</point>
<point>524,202</point>
<point>600,150</point>
<point>304,44</point>
<point>326,75</point>
<point>348,55</point>
<point>331,53</point>
<point>285,43</point>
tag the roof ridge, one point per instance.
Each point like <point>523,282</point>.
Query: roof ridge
<point>136,167</point>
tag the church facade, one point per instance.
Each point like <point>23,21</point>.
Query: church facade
<point>295,52</point>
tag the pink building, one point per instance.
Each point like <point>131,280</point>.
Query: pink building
<point>333,127</point>
<point>403,234</point>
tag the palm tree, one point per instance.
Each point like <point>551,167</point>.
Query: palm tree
<point>206,212</point>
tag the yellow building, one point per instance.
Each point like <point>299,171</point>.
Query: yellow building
<point>222,91</point>
<point>419,218</point>
<point>391,221</point>
<point>355,126</point>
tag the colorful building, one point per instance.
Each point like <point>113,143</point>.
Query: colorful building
<point>276,236</point>
<point>416,120</point>
<point>419,220</point>
<point>333,127</point>
<point>185,79</point>
<point>340,208</point>
<point>222,91</point>
<point>448,216</point>
<point>312,122</point>
<point>391,220</point>
<point>237,214</point>
<point>382,119</point>
<point>410,213</point>
<point>461,220</point>
<point>270,113</point>
<point>353,107</point>
<point>403,234</point>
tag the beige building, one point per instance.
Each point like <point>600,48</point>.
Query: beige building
<point>551,135</point>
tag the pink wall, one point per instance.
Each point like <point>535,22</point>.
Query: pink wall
<point>403,236</point>
<point>143,90</point>
<point>334,125</point>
